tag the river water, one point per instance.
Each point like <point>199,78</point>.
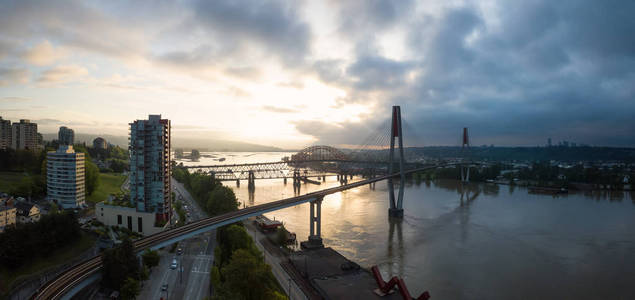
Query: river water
<point>482,241</point>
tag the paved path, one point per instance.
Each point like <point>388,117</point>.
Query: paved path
<point>287,283</point>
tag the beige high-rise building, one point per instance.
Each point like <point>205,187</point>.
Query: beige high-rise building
<point>5,134</point>
<point>24,135</point>
<point>65,177</point>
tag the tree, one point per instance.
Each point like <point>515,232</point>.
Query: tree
<point>215,279</point>
<point>92,177</point>
<point>130,289</point>
<point>54,209</point>
<point>281,236</point>
<point>119,263</point>
<point>150,258</point>
<point>195,155</point>
<point>248,276</point>
<point>221,200</point>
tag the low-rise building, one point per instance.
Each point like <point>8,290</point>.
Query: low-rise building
<point>27,212</point>
<point>7,217</point>
<point>127,217</point>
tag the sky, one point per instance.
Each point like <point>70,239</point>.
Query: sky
<point>296,73</point>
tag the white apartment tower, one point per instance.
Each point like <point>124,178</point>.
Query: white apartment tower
<point>24,135</point>
<point>65,177</point>
<point>150,167</point>
<point>5,134</point>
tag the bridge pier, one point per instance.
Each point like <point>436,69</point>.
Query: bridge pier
<point>315,225</point>
<point>251,181</point>
<point>285,180</point>
<point>237,182</point>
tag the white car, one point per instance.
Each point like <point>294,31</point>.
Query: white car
<point>173,265</point>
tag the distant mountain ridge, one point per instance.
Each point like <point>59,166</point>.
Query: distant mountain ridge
<point>185,143</point>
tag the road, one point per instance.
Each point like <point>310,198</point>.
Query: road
<point>191,279</point>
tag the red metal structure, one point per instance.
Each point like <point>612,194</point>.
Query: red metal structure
<point>385,287</point>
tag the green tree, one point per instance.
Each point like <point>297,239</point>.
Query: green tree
<point>119,263</point>
<point>215,278</point>
<point>54,208</point>
<point>150,258</point>
<point>130,289</point>
<point>281,236</point>
<point>92,177</point>
<point>248,276</point>
<point>221,200</point>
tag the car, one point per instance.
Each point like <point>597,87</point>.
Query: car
<point>179,251</point>
<point>174,264</point>
<point>164,287</point>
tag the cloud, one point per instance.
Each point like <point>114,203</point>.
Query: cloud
<point>277,109</point>
<point>9,76</point>
<point>61,74</point>
<point>14,99</point>
<point>252,26</point>
<point>75,23</point>
<point>44,54</point>
<point>515,75</point>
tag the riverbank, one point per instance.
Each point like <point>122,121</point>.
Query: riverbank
<point>321,273</point>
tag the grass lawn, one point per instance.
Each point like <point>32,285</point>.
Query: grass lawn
<point>9,179</point>
<point>109,183</point>
<point>60,256</point>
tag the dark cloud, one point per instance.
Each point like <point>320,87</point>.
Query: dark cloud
<point>9,76</point>
<point>560,69</point>
<point>378,73</point>
<point>271,25</point>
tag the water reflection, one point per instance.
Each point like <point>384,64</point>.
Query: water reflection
<point>397,257</point>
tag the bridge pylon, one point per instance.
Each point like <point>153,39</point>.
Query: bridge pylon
<point>396,207</point>
<point>465,153</point>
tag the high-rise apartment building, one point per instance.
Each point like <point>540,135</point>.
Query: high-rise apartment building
<point>24,135</point>
<point>66,136</point>
<point>65,177</point>
<point>5,134</point>
<point>150,167</point>
<point>100,143</point>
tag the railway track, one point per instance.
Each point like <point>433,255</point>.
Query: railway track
<point>62,284</point>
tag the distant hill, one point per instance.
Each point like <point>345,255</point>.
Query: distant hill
<point>571,154</point>
<point>185,143</point>
<point>121,141</point>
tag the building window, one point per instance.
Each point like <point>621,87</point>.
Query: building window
<point>140,224</point>
<point>130,222</point>
<point>118,219</point>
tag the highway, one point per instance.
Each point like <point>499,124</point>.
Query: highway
<point>70,281</point>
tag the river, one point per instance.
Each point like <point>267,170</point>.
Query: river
<point>482,241</point>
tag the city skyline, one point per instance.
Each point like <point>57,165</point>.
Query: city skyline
<point>290,74</point>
